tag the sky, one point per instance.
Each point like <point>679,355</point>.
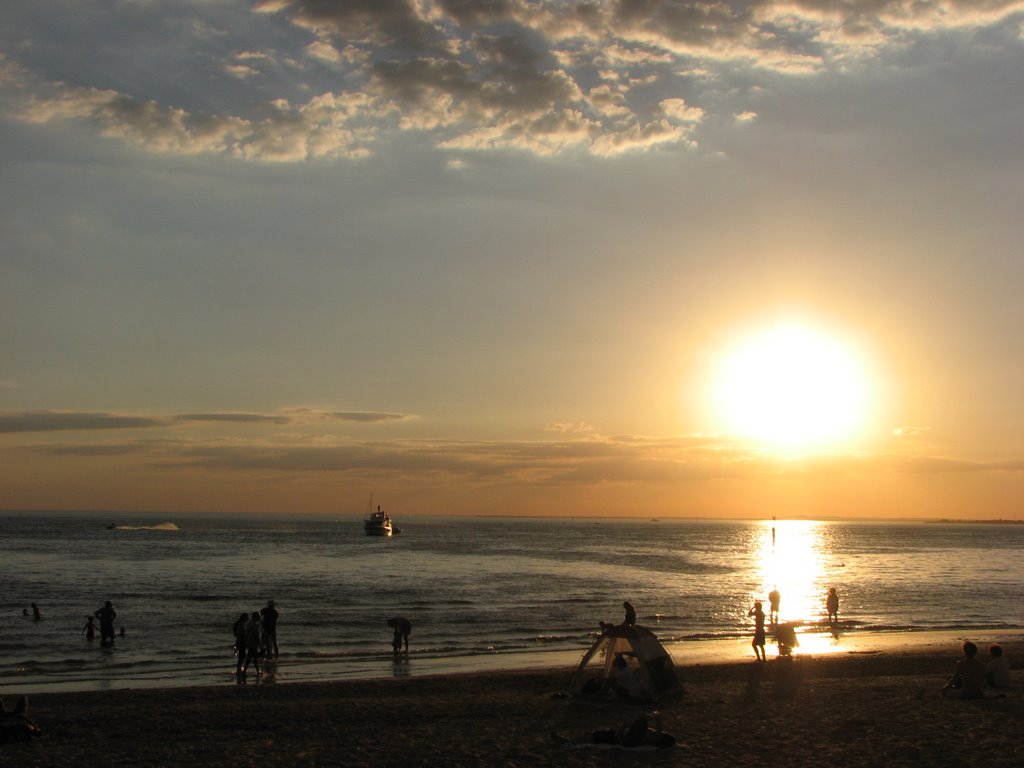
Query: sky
<point>495,256</point>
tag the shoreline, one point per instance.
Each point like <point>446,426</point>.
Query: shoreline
<point>877,704</point>
<point>715,651</point>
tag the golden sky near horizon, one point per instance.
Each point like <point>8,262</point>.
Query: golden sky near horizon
<point>655,258</point>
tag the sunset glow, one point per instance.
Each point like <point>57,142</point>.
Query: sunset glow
<point>791,387</point>
<point>532,257</point>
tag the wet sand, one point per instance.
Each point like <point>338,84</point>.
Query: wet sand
<point>858,708</point>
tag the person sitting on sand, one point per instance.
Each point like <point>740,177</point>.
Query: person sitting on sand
<point>997,671</point>
<point>968,678</point>
<point>637,733</point>
<point>624,681</point>
<point>403,628</point>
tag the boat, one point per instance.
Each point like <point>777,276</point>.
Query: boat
<point>378,523</point>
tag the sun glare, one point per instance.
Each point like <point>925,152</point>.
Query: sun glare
<point>791,387</point>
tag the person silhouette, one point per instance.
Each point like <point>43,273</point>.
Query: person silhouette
<point>968,678</point>
<point>758,642</point>
<point>832,606</point>
<point>89,630</point>
<point>774,598</point>
<point>106,615</point>
<point>239,631</point>
<point>36,615</point>
<point>253,643</point>
<point>630,619</point>
<point>269,617</point>
<point>403,628</point>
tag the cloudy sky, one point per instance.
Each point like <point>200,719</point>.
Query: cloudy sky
<point>492,256</point>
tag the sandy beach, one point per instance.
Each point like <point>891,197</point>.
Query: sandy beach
<point>858,708</point>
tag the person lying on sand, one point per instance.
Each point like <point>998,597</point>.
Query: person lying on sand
<point>15,724</point>
<point>632,735</point>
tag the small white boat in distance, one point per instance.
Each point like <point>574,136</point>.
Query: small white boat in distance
<point>378,524</point>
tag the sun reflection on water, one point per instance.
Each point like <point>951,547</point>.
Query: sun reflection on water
<point>791,559</point>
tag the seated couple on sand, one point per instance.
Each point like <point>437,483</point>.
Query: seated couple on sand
<point>970,676</point>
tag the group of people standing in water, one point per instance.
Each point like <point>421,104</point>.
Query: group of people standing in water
<point>255,638</point>
<point>774,600</point>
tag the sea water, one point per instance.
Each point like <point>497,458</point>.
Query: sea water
<point>493,590</point>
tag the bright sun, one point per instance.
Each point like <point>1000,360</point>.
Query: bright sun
<point>791,387</point>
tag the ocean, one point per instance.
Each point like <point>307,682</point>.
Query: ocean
<point>479,591</point>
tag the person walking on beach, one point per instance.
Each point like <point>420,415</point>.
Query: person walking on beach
<point>269,617</point>
<point>253,643</point>
<point>832,606</point>
<point>239,631</point>
<point>89,630</point>
<point>402,628</point>
<point>106,615</point>
<point>758,642</point>
<point>774,598</point>
<point>968,678</point>
<point>630,619</point>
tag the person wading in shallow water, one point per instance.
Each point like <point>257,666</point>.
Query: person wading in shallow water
<point>402,628</point>
<point>630,619</point>
<point>106,615</point>
<point>269,617</point>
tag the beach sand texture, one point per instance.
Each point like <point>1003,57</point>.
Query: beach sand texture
<point>858,709</point>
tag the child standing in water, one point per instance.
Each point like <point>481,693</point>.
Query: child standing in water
<point>89,630</point>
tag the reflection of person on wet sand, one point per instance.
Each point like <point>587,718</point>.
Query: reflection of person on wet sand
<point>774,598</point>
<point>402,628</point>
<point>968,678</point>
<point>832,606</point>
<point>758,642</point>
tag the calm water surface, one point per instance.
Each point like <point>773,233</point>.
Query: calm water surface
<point>472,587</point>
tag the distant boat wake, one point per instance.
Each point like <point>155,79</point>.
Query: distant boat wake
<point>157,527</point>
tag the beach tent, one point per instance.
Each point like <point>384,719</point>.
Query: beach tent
<point>655,669</point>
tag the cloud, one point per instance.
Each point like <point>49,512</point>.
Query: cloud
<point>59,421</point>
<point>538,76</point>
<point>236,418</point>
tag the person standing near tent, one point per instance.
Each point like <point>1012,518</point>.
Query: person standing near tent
<point>758,642</point>
<point>630,619</point>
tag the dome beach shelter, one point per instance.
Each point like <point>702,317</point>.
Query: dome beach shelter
<point>654,666</point>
